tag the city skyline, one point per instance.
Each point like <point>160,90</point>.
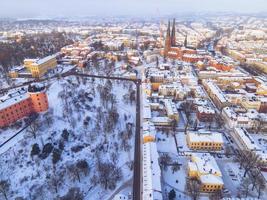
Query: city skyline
<point>79,8</point>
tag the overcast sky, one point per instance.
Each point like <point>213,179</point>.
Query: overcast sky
<point>69,8</point>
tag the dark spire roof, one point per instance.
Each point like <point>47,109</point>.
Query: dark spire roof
<point>169,30</point>
<point>185,41</point>
<point>173,37</point>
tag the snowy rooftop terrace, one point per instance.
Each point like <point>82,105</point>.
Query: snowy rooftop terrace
<point>205,109</point>
<point>13,97</point>
<point>243,135</point>
<point>205,164</point>
<point>216,91</point>
<point>205,136</point>
<point>44,60</point>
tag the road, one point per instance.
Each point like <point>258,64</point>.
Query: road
<point>138,179</point>
<point>66,74</point>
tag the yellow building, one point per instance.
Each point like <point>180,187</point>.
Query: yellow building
<point>204,168</point>
<point>13,74</point>
<point>39,67</point>
<point>147,89</point>
<point>204,140</point>
<point>148,132</point>
<point>148,138</point>
<point>262,90</point>
<point>251,104</point>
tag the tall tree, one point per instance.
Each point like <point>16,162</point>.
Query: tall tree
<point>172,194</point>
<point>193,188</point>
<point>4,188</point>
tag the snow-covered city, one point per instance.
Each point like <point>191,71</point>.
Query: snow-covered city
<point>166,107</point>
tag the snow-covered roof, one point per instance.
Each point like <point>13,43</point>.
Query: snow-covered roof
<point>205,109</point>
<point>211,179</point>
<point>151,172</point>
<point>149,129</point>
<point>146,107</point>
<point>243,136</point>
<point>216,90</point>
<point>44,60</point>
<point>13,98</point>
<point>161,120</point>
<point>170,107</point>
<point>205,164</point>
<point>205,136</point>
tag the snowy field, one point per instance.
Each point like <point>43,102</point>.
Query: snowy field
<point>82,146</point>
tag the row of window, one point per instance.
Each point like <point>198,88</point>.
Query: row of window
<point>205,144</point>
<point>18,112</point>
<point>212,186</point>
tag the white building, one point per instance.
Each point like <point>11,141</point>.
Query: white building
<point>233,119</point>
<point>151,172</point>
<point>246,142</point>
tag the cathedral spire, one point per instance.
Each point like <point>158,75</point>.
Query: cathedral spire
<point>168,39</point>
<point>168,31</point>
<point>185,41</point>
<point>173,37</point>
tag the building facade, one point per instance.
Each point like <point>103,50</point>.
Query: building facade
<point>204,168</point>
<point>22,103</point>
<point>204,140</point>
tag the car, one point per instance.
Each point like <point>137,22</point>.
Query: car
<point>225,191</point>
<point>219,155</point>
<point>231,174</point>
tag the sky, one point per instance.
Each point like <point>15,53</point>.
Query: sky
<point>74,8</point>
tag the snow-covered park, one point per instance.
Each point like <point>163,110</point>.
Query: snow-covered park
<point>83,146</point>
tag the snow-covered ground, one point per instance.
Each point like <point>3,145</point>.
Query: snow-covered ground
<point>82,126</point>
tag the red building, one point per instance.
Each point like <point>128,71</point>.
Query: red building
<point>182,53</point>
<point>21,103</point>
<point>205,114</point>
<point>220,66</point>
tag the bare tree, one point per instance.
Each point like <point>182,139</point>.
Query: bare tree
<point>48,116</point>
<point>227,150</point>
<point>255,175</point>
<point>248,160</point>
<point>245,183</point>
<point>73,194</point>
<point>164,161</point>
<point>187,108</point>
<point>217,195</point>
<point>37,192</point>
<point>261,185</point>
<point>114,157</point>
<point>108,175</point>
<point>74,172</point>
<point>259,126</point>
<point>175,167</point>
<point>34,127</point>
<point>55,181</point>
<point>83,166</point>
<point>193,188</point>
<point>4,188</point>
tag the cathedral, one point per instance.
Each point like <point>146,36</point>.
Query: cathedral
<point>173,51</point>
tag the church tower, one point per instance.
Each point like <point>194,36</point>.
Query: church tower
<point>167,40</point>
<point>185,41</point>
<point>173,37</point>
